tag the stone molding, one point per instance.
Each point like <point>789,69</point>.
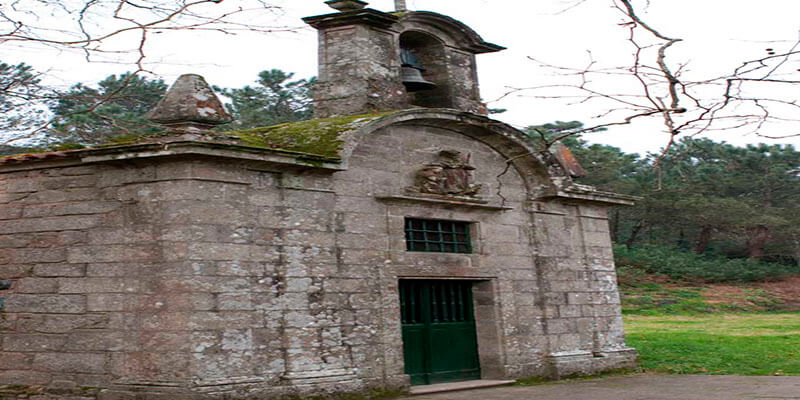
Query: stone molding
<point>179,148</point>
<point>588,194</point>
<point>366,16</point>
<point>469,40</point>
<point>443,200</point>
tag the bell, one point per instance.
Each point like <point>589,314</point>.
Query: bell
<point>413,80</point>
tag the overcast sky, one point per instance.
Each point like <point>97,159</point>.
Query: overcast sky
<point>718,35</point>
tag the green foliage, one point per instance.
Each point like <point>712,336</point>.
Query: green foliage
<point>741,344</point>
<point>23,100</point>
<point>719,192</point>
<point>687,266</point>
<point>275,100</point>
<point>117,106</point>
<point>16,80</point>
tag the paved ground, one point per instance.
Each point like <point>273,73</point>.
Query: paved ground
<point>642,387</point>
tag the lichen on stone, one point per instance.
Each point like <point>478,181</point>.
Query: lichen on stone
<point>321,137</point>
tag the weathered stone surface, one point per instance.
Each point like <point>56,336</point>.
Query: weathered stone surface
<point>190,100</point>
<point>47,224</point>
<point>33,343</point>
<point>59,270</point>
<point>71,362</point>
<point>45,303</point>
<point>113,253</point>
<point>36,285</point>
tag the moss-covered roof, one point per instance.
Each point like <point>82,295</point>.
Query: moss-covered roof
<point>317,138</point>
<point>320,137</point>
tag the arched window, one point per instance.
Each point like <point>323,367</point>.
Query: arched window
<point>429,55</point>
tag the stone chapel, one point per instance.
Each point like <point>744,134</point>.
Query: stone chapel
<point>400,238</point>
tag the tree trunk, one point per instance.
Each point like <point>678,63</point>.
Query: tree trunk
<point>702,240</point>
<point>796,241</point>
<point>634,233</point>
<point>755,244</point>
<point>614,226</point>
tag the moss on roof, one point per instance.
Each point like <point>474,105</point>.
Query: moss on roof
<point>321,137</point>
<point>316,137</point>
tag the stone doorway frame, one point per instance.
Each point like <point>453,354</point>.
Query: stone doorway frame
<point>486,310</point>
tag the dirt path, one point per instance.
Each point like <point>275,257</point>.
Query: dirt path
<point>788,290</point>
<point>642,387</point>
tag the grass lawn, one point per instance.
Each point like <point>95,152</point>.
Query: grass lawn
<point>742,344</point>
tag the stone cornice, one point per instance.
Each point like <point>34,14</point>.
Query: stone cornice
<point>588,194</point>
<point>443,201</point>
<point>366,16</point>
<point>168,149</point>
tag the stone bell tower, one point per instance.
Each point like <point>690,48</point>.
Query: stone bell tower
<point>363,53</point>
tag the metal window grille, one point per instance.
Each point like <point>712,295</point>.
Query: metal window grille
<point>437,236</point>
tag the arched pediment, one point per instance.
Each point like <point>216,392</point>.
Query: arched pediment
<point>453,32</point>
<point>509,142</point>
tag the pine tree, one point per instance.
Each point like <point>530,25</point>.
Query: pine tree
<point>276,99</point>
<point>117,106</point>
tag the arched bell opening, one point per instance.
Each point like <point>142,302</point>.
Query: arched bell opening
<point>424,70</point>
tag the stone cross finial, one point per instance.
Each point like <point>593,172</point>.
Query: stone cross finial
<point>400,5</point>
<point>190,105</point>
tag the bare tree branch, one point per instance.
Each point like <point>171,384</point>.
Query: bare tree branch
<point>756,97</point>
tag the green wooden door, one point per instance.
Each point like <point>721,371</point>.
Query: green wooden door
<point>439,341</point>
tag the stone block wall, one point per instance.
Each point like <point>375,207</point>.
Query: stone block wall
<point>179,274</point>
<point>50,331</point>
<point>464,78</point>
<point>359,69</point>
<point>580,293</point>
<point>207,276</point>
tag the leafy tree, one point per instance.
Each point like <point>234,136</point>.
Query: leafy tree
<point>115,107</point>
<point>276,99</point>
<point>22,100</point>
<point>756,183</point>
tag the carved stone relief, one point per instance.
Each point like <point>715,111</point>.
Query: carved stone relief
<point>450,176</point>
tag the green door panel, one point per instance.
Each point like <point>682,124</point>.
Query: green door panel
<point>439,340</point>
<point>413,340</point>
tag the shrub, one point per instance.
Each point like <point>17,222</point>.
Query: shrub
<point>687,266</point>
